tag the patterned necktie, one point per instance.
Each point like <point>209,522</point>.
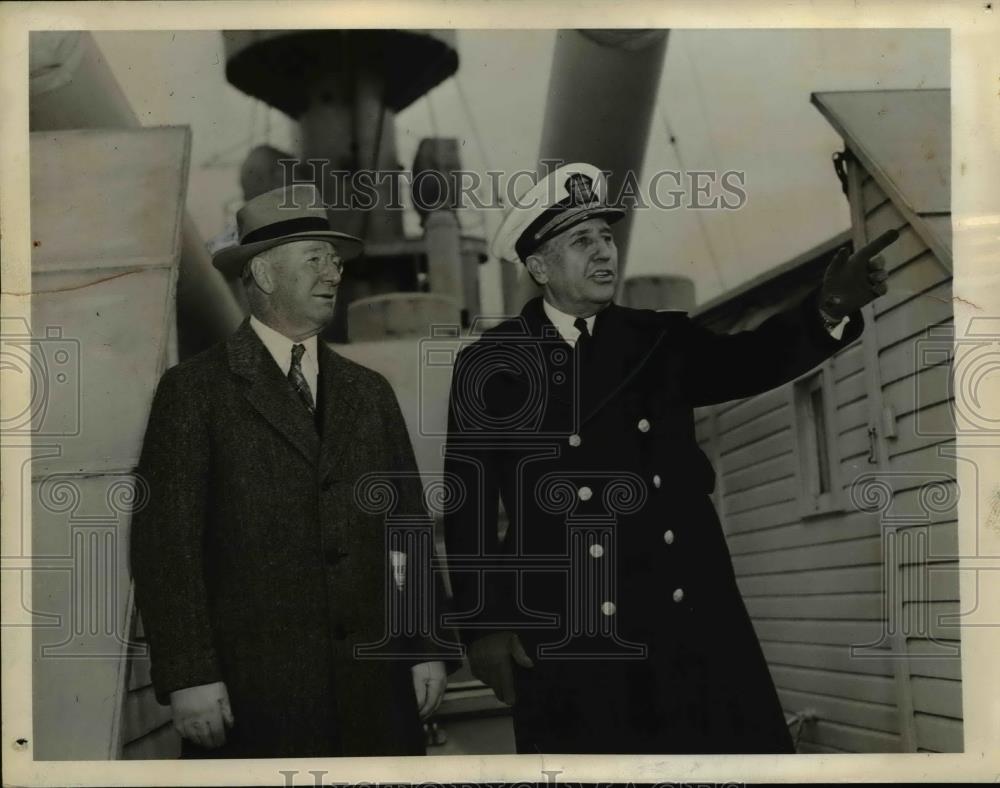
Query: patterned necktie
<point>298,380</point>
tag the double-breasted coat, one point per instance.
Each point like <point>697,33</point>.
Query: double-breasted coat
<point>255,564</point>
<point>613,569</point>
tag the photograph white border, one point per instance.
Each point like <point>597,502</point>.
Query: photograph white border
<point>975,96</point>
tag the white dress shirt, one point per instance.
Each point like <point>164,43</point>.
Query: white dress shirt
<point>564,323</point>
<point>837,331</point>
<point>280,348</point>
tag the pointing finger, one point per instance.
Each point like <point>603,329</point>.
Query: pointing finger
<point>872,248</point>
<point>837,262</point>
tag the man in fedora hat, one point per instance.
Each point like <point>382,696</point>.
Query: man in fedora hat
<point>256,572</point>
<point>608,613</point>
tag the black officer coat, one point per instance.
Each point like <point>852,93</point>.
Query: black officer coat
<point>613,569</point>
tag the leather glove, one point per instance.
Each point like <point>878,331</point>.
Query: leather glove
<point>202,713</point>
<point>490,660</point>
<point>851,282</point>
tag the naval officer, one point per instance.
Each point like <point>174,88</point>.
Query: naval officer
<point>606,611</point>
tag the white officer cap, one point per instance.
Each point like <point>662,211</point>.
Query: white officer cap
<point>565,197</point>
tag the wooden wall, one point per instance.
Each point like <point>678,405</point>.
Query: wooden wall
<point>913,324</point>
<point>819,587</point>
<point>812,587</point>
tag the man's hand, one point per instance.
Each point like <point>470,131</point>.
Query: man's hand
<point>489,658</point>
<point>851,282</point>
<point>202,714</point>
<point>429,681</point>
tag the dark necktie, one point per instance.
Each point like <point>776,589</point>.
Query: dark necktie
<point>585,341</point>
<point>298,380</point>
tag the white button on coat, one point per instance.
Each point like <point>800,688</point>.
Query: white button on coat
<point>585,493</point>
<point>678,594</point>
<point>657,481</point>
<point>596,550</point>
<point>608,608</point>
<point>668,537</point>
<point>643,425</point>
<point>574,441</point>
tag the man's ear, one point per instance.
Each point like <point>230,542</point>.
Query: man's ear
<point>260,272</point>
<point>537,268</point>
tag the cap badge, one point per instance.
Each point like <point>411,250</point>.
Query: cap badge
<point>580,188</point>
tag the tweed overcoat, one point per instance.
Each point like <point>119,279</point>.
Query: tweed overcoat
<point>613,568</point>
<point>254,564</point>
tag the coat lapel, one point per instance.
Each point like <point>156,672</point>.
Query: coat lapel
<point>556,353</point>
<point>624,340</point>
<point>269,392</point>
<point>337,406</point>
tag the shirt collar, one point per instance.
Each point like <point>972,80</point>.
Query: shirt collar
<point>280,346</point>
<point>564,323</point>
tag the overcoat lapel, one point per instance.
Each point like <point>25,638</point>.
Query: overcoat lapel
<point>269,392</point>
<point>556,354</point>
<point>621,351</point>
<point>337,407</point>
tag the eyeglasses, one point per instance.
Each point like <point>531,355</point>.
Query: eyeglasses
<point>320,262</point>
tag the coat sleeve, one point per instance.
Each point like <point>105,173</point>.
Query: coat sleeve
<point>484,598</point>
<point>167,539</point>
<point>722,367</point>
<point>441,643</point>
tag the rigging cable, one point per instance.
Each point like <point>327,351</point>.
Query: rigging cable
<point>430,112</point>
<point>672,141</point>
<point>376,153</point>
<point>480,146</point>
<point>700,95</point>
<point>467,109</point>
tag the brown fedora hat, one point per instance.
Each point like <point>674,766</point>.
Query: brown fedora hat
<point>280,216</point>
